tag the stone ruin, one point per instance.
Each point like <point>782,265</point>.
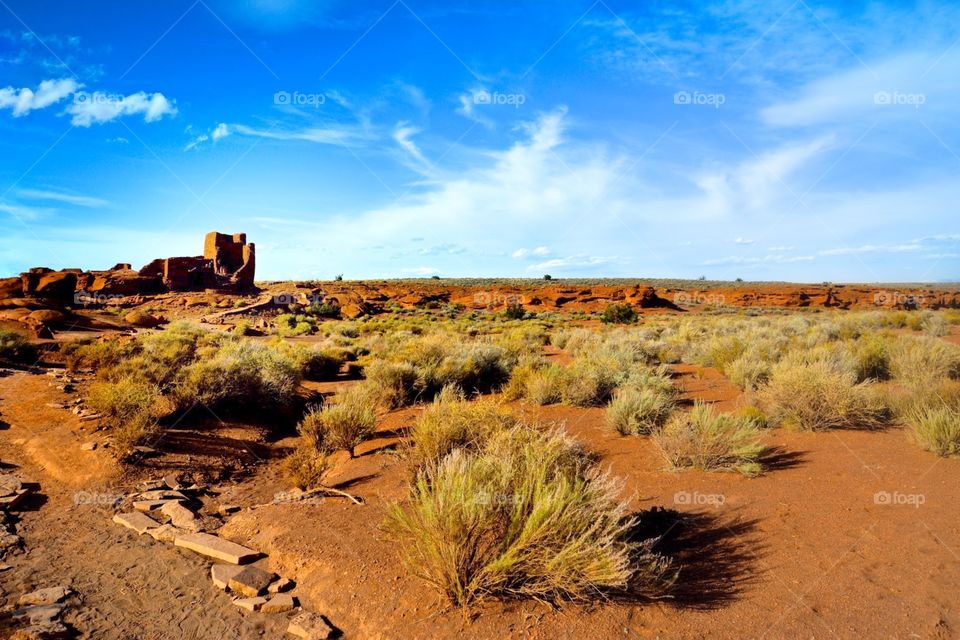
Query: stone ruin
<point>228,263</point>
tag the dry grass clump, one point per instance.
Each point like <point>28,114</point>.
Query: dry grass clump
<point>586,382</point>
<point>420,367</point>
<point>749,373</point>
<point>936,428</point>
<point>639,410</point>
<point>527,515</point>
<point>344,424</point>
<point>816,397</point>
<point>703,439</point>
<point>919,361</point>
<point>131,408</point>
<point>453,422</point>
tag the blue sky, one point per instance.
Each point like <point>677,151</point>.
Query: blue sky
<point>792,140</point>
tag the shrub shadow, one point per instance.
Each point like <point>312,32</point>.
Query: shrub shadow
<point>715,553</point>
<point>778,458</point>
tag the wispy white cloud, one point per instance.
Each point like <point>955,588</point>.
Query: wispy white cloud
<point>747,260</point>
<point>58,196</point>
<point>872,248</point>
<point>98,108</point>
<point>403,135</point>
<point>23,101</point>
<point>336,135</point>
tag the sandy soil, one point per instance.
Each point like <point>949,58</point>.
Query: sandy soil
<point>849,535</point>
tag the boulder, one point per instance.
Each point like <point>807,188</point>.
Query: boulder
<point>142,319</point>
<point>311,626</point>
<point>50,595</point>
<point>45,316</point>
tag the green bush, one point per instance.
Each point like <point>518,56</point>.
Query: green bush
<point>619,313</point>
<point>342,425</point>
<point>526,516</point>
<point>514,311</point>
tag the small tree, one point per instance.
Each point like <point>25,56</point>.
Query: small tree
<point>547,276</point>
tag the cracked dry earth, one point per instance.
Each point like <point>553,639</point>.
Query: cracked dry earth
<point>128,586</point>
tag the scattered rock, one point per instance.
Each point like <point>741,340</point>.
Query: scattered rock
<point>214,547</point>
<point>149,505</point>
<point>137,521</point>
<point>165,533</point>
<point>250,604</point>
<point>9,484</point>
<point>88,446</point>
<point>279,604</point>
<point>50,595</point>
<point>221,574</point>
<point>161,494</point>
<point>11,502</point>
<point>227,509</point>
<point>180,516</point>
<point>279,585</point>
<point>173,481</point>
<point>311,626</point>
<point>251,581</point>
<point>41,614</point>
<point>8,541</point>
<point>46,631</point>
<point>142,319</point>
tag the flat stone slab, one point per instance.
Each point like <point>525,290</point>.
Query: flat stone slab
<point>214,547</point>
<point>279,604</point>
<point>311,626</point>
<point>250,604</point>
<point>88,446</point>
<point>149,505</point>
<point>137,521</point>
<point>180,516</point>
<point>251,581</point>
<point>221,574</point>
<point>165,533</point>
<point>50,595</point>
<point>161,494</point>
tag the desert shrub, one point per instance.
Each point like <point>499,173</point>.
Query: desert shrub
<point>239,374</point>
<point>313,363</point>
<point>639,410</point>
<point>720,352</point>
<point>919,361</point>
<point>703,439</point>
<point>754,415</point>
<point>323,310</point>
<point>421,367</point>
<point>290,325</point>
<point>306,466</point>
<point>526,516</point>
<point>514,311</point>
<point>936,428</point>
<point>873,358</point>
<point>816,397</point>
<point>619,313</point>
<point>15,348</point>
<point>584,383</point>
<point>453,422</point>
<point>749,373</point>
<point>343,424</point>
<point>98,355</point>
<point>934,325</point>
<point>131,408</point>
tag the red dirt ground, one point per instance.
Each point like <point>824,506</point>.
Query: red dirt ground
<point>823,545</point>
